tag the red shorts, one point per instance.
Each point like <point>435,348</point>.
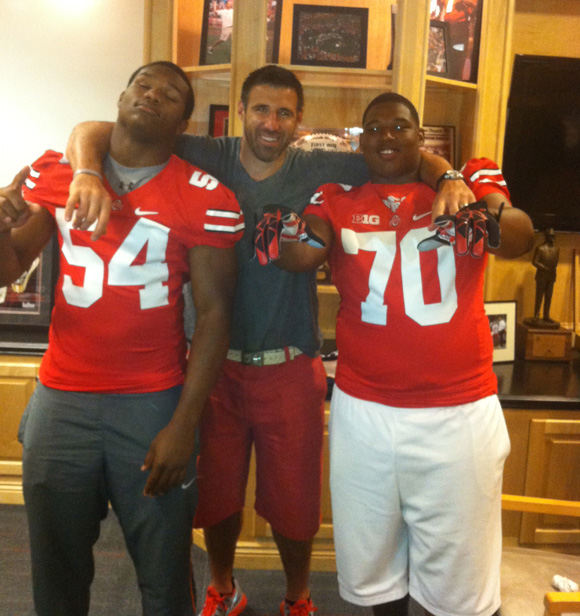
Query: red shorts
<point>280,410</point>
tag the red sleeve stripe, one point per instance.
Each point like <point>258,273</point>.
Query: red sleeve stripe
<point>485,176</point>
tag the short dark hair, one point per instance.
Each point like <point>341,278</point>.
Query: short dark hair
<point>276,77</point>
<point>393,97</point>
<point>189,101</point>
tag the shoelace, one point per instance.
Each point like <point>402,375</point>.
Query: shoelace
<point>214,601</point>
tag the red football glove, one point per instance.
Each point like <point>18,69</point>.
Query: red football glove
<point>281,225</point>
<point>468,231</point>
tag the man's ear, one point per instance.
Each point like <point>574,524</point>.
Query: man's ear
<point>241,110</point>
<point>120,98</point>
<point>421,136</point>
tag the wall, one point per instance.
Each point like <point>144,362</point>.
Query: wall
<point>61,62</point>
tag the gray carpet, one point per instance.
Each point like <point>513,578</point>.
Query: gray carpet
<point>526,576</point>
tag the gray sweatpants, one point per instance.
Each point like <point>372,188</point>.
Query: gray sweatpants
<point>82,451</point>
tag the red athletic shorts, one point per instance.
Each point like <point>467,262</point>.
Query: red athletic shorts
<point>280,410</point>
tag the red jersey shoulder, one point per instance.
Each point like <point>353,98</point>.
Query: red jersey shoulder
<point>483,176</point>
<point>49,179</point>
<point>217,203</point>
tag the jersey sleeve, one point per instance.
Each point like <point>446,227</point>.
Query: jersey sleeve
<point>320,204</point>
<point>209,211</point>
<point>49,181</point>
<point>484,177</point>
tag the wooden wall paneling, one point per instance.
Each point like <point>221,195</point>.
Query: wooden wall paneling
<point>493,79</point>
<point>410,61</point>
<point>158,42</point>
<point>552,472</point>
<point>187,25</point>
<point>248,51</point>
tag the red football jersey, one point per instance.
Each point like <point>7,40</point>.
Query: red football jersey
<point>117,322</point>
<point>411,329</point>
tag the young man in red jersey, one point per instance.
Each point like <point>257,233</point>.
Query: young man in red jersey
<point>114,416</point>
<point>417,435</point>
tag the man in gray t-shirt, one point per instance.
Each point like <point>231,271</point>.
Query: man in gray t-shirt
<point>272,389</point>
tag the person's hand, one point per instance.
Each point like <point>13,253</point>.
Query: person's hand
<point>14,209</point>
<point>469,231</point>
<point>88,202</point>
<point>281,225</point>
<point>168,459</point>
<point>452,195</point>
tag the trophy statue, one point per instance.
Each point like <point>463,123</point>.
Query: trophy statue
<point>545,260</point>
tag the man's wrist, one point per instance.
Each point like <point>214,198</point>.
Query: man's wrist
<point>450,174</point>
<point>88,172</point>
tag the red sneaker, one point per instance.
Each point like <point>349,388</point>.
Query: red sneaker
<point>224,605</point>
<point>304,607</point>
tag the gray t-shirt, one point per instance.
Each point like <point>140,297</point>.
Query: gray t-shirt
<point>273,308</point>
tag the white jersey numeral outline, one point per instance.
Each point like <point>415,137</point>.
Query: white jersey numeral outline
<point>150,275</point>
<point>384,245</point>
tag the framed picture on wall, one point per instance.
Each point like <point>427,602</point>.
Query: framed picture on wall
<point>440,140</point>
<point>216,32</point>
<point>26,305</point>
<point>438,54</point>
<point>463,19</point>
<point>218,120</point>
<point>329,36</point>
<point>273,31</point>
<point>29,299</point>
<point>502,326</point>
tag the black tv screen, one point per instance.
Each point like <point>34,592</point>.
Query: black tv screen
<point>541,160</point>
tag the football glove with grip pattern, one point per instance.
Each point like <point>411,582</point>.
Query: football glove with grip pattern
<point>280,224</point>
<point>467,231</point>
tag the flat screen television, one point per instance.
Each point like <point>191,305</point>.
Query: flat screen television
<point>541,159</point>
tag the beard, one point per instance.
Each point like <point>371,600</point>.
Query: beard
<point>267,152</point>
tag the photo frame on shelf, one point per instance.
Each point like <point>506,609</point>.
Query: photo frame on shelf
<point>440,140</point>
<point>334,36</point>
<point>26,305</point>
<point>463,21</point>
<point>273,31</point>
<point>438,49</point>
<point>502,326</point>
<point>216,32</point>
<point>218,120</point>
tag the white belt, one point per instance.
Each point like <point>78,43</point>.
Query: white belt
<point>264,358</point>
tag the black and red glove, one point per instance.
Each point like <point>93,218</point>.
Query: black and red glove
<point>281,225</point>
<point>468,231</point>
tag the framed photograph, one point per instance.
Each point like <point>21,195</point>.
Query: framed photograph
<point>438,54</point>
<point>502,326</point>
<point>218,120</point>
<point>440,140</point>
<point>216,32</point>
<point>329,36</point>
<point>273,31</point>
<point>26,305</point>
<point>463,19</point>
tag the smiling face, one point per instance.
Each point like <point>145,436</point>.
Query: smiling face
<point>270,118</point>
<point>154,103</point>
<point>390,142</point>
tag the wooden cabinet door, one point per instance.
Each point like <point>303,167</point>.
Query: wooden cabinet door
<point>553,471</point>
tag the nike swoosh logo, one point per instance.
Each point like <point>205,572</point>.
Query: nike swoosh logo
<point>415,217</point>
<point>184,486</point>
<point>141,212</point>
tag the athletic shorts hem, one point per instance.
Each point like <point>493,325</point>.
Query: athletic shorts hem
<point>438,612</point>
<point>367,601</point>
<point>290,533</point>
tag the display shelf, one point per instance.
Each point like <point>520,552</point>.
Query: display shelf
<point>450,83</point>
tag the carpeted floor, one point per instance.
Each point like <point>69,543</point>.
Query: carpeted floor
<point>526,576</point>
